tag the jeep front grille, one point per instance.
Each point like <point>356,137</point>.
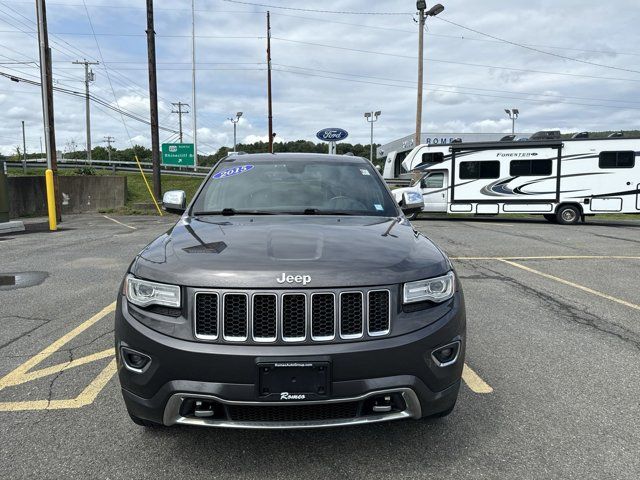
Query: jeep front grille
<point>292,316</point>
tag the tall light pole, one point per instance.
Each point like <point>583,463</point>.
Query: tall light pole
<point>372,117</point>
<point>422,16</point>
<point>24,151</point>
<point>513,114</point>
<point>235,122</point>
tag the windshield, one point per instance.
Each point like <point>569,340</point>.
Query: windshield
<point>295,186</point>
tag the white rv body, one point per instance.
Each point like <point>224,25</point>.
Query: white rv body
<point>590,176</point>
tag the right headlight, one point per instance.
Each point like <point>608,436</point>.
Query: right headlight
<point>436,289</point>
<point>144,293</point>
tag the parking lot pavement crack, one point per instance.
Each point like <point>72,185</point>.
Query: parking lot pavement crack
<point>616,238</point>
<point>50,392</point>
<point>536,238</point>
<point>86,344</point>
<point>43,321</point>
<point>567,310</point>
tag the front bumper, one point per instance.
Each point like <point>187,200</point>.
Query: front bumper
<point>226,376</point>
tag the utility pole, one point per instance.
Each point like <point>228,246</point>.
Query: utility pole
<point>108,140</point>
<point>46,87</point>
<point>153,100</point>
<point>180,112</point>
<point>193,84</point>
<point>372,117</point>
<point>24,151</point>
<point>422,16</point>
<point>269,81</point>
<point>88,78</point>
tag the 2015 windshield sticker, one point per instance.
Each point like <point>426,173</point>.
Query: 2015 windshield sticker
<point>230,172</point>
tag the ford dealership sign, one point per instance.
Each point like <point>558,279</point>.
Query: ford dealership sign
<point>332,134</point>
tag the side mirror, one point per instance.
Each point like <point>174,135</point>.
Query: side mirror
<point>412,202</point>
<point>174,201</point>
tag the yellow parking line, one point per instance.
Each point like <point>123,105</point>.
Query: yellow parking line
<point>574,285</point>
<point>11,377</point>
<point>474,382</point>
<point>61,367</point>
<point>87,396</point>
<point>554,257</point>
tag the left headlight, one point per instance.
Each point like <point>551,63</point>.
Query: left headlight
<point>436,289</point>
<point>144,293</point>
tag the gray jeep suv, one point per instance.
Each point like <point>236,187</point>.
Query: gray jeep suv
<point>292,293</point>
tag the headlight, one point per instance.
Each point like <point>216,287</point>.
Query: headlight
<point>144,293</point>
<point>436,289</point>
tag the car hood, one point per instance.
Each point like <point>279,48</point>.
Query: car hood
<point>252,251</point>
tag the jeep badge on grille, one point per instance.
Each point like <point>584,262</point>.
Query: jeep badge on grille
<point>303,279</point>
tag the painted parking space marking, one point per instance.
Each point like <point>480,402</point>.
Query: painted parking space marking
<point>554,257</point>
<point>474,382</point>
<point>120,223</point>
<point>572,284</point>
<point>25,373</point>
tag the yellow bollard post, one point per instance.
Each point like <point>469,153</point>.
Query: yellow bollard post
<point>51,199</point>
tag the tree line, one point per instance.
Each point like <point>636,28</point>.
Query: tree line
<point>144,153</point>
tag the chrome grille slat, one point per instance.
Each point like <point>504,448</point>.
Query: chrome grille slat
<point>235,325</point>
<point>351,315</point>
<point>379,312</point>
<point>323,316</point>
<point>293,316</point>
<point>265,317</point>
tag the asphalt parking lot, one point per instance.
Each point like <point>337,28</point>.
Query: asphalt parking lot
<point>552,388</point>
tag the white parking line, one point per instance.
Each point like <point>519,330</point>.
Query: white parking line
<point>120,223</point>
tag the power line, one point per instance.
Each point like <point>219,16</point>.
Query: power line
<point>412,82</point>
<point>458,93</point>
<point>534,49</point>
<point>95,99</point>
<point>397,55</point>
<point>265,5</point>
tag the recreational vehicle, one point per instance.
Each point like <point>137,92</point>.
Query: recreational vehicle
<point>564,180</point>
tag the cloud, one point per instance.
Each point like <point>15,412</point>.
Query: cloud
<point>262,138</point>
<point>316,87</point>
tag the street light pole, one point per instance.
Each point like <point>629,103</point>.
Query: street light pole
<point>422,16</point>
<point>513,114</point>
<point>24,151</point>
<point>235,122</point>
<point>372,117</point>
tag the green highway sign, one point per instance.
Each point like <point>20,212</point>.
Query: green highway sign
<point>178,154</point>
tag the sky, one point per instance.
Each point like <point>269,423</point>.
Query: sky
<point>569,65</point>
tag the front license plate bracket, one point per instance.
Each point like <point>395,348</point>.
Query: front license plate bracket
<point>293,380</point>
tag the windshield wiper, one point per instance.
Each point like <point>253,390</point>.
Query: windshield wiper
<point>317,211</point>
<point>227,212</point>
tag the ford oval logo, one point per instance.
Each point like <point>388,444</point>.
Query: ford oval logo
<point>332,134</point>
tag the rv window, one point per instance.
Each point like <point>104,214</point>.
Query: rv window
<point>474,170</point>
<point>435,180</point>
<point>432,157</point>
<point>617,159</point>
<point>528,168</point>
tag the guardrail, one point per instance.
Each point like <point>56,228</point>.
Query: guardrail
<point>146,167</point>
<point>115,166</point>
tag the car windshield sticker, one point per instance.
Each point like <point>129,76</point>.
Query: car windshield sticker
<point>230,172</point>
<point>364,171</point>
<point>378,206</point>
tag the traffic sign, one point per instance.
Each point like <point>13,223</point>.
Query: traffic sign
<point>178,154</point>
